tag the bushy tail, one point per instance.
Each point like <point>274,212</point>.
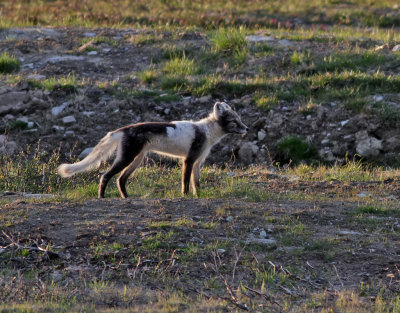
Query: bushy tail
<point>102,152</point>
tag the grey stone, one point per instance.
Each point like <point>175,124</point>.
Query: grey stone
<point>259,38</point>
<point>9,148</point>
<point>349,232</point>
<point>56,276</point>
<point>396,48</point>
<point>56,111</point>
<point>85,153</point>
<point>70,119</point>
<point>64,58</point>
<point>367,146</point>
<point>261,135</point>
<point>263,234</point>
<point>343,123</point>
<point>285,43</point>
<point>269,243</point>
<point>88,113</point>
<point>13,102</point>
<point>205,99</point>
<point>35,77</point>
<point>57,128</point>
<point>377,98</point>
<point>247,151</point>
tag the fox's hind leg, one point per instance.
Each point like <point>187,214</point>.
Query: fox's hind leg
<point>125,156</point>
<point>128,172</point>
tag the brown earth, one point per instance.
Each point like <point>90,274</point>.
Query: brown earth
<point>321,246</point>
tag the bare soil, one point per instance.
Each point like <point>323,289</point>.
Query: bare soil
<point>323,247</point>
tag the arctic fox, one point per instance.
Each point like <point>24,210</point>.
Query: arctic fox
<point>188,140</point>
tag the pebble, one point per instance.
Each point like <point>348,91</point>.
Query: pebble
<point>70,119</point>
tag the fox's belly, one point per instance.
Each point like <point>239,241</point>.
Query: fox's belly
<point>168,147</point>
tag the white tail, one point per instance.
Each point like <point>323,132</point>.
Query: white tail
<point>102,152</point>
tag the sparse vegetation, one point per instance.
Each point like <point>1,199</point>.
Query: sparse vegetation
<point>295,149</point>
<point>67,83</point>
<point>293,233</point>
<point>8,63</point>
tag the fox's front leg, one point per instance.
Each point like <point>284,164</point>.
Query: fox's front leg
<point>195,178</point>
<point>186,173</point>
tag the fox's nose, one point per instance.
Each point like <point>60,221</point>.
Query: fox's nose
<point>247,129</point>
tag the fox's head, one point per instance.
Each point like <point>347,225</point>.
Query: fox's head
<point>228,119</point>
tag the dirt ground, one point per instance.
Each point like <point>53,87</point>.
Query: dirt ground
<point>316,247</point>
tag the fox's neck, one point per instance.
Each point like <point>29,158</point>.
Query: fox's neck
<point>214,130</point>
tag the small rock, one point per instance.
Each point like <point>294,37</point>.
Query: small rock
<point>221,250</point>
<point>70,119</point>
<point>263,234</point>
<point>205,99</point>
<point>261,135</point>
<point>64,58</point>
<point>377,98</point>
<point>367,146</point>
<point>69,133</point>
<point>343,123</point>
<point>229,219</point>
<point>88,113</point>
<point>363,194</point>
<point>396,48</point>
<point>349,232</point>
<point>85,153</point>
<point>9,148</point>
<point>57,128</point>
<point>325,141</point>
<point>90,35</point>
<point>269,243</point>
<point>285,43</point>
<point>92,53</point>
<point>56,111</point>
<point>3,139</point>
<point>258,38</point>
<point>35,77</point>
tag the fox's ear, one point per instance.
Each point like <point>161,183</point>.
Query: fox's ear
<point>220,107</point>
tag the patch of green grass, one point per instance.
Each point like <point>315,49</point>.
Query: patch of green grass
<point>229,40</point>
<point>34,170</point>
<point>300,57</point>
<point>265,101</point>
<point>68,83</point>
<point>262,49</point>
<point>170,51</point>
<point>19,125</point>
<point>148,76</point>
<point>180,66</point>
<point>351,61</point>
<point>158,241</point>
<point>142,39</point>
<point>295,149</point>
<point>377,210</point>
<point>352,170</point>
<point>355,104</point>
<point>8,63</point>
<point>98,40</point>
<point>173,83</point>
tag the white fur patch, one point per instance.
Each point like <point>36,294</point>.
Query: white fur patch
<point>178,141</point>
